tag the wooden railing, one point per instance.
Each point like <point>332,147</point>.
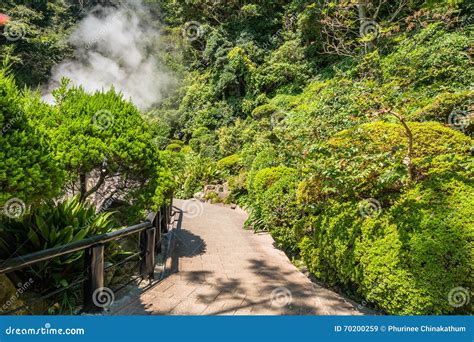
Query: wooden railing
<point>150,239</point>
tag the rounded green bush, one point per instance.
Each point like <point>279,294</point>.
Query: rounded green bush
<point>230,164</point>
<point>369,160</point>
<point>279,211</point>
<point>426,240</point>
<point>267,177</point>
<point>174,147</point>
<point>406,259</point>
<point>28,171</point>
<point>264,111</point>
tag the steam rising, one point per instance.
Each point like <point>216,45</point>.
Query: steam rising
<point>117,46</point>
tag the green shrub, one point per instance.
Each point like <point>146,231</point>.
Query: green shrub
<point>229,165</point>
<point>199,132</point>
<point>27,169</point>
<point>280,212</point>
<point>368,161</point>
<point>266,158</point>
<point>441,58</point>
<point>101,136</point>
<point>174,147</point>
<point>429,139</point>
<point>198,171</point>
<point>265,178</point>
<point>404,260</point>
<point>264,111</point>
<point>212,196</point>
<point>205,145</point>
<point>440,107</point>
<point>329,251</point>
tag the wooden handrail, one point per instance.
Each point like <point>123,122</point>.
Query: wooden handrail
<point>150,241</point>
<point>20,262</point>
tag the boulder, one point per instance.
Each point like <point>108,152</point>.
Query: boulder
<point>199,196</point>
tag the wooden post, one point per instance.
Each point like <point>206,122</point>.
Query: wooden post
<point>164,219</point>
<point>94,265</point>
<point>147,246</point>
<point>158,236</point>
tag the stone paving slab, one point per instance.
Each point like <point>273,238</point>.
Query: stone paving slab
<point>221,269</point>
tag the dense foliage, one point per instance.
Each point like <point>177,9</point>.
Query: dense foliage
<point>63,165</point>
<point>36,39</point>
<point>344,127</point>
<point>54,225</point>
<point>27,169</point>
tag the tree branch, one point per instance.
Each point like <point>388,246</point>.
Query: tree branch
<point>100,181</point>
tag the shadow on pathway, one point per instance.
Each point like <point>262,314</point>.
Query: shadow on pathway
<point>218,268</point>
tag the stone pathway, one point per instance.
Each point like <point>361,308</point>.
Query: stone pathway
<point>218,268</point>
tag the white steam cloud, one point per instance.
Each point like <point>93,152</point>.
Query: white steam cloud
<point>119,47</point>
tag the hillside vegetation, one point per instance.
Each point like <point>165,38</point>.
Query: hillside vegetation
<point>346,137</point>
<point>343,127</point>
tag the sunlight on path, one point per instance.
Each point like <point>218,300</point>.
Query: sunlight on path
<point>218,268</point>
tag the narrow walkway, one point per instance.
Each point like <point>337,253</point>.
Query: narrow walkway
<point>218,268</point>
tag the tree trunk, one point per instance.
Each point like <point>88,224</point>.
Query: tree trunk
<point>363,20</point>
<point>83,186</point>
<point>408,159</point>
<point>362,6</point>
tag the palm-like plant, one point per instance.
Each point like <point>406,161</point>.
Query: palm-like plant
<point>51,225</point>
